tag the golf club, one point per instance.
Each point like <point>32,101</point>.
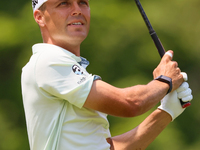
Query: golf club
<point>156,40</point>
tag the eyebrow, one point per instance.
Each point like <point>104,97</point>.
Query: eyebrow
<point>55,2</point>
<point>62,0</point>
<point>58,1</point>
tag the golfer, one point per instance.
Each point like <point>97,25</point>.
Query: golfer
<point>66,107</point>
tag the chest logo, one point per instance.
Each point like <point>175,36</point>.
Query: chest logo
<point>77,70</point>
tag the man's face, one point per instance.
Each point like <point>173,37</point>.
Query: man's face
<point>67,21</point>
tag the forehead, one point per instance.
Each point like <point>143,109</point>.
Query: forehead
<point>65,0</point>
<point>56,2</point>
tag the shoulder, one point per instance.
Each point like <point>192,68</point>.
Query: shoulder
<point>48,54</point>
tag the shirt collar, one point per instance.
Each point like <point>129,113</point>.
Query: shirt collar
<point>43,46</point>
<point>84,62</point>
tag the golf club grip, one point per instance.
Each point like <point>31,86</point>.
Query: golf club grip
<point>158,43</point>
<point>156,40</point>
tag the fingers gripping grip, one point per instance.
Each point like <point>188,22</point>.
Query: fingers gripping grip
<point>185,77</point>
<point>184,104</point>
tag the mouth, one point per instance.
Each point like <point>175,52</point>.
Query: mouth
<point>75,23</point>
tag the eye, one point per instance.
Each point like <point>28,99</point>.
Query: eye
<point>63,3</point>
<point>84,2</point>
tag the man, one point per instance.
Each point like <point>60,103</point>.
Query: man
<point>66,107</point>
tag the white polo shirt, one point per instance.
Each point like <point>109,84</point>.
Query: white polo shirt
<point>54,88</point>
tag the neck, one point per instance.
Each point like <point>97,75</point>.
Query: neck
<point>73,48</point>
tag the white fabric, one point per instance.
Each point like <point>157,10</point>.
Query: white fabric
<point>185,77</point>
<point>184,92</point>
<point>171,103</point>
<point>183,87</point>
<point>170,54</point>
<point>53,97</point>
<point>37,3</point>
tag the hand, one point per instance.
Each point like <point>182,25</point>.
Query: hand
<point>169,68</point>
<point>184,92</point>
<point>171,104</point>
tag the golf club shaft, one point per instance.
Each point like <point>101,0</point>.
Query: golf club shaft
<point>156,40</point>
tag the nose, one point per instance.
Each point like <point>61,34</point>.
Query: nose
<point>76,11</point>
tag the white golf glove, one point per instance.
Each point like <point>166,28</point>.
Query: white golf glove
<point>171,103</point>
<point>184,92</point>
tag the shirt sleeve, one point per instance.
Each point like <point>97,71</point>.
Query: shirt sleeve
<point>59,75</point>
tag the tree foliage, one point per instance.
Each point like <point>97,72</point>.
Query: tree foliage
<point>119,49</point>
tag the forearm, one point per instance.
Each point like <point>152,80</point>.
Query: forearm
<point>127,102</point>
<point>144,97</point>
<point>144,134</point>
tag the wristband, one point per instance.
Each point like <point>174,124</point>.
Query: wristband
<point>167,80</point>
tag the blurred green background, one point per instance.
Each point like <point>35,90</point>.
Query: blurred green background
<point>119,49</point>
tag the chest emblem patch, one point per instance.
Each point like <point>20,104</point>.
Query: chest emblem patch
<point>77,70</point>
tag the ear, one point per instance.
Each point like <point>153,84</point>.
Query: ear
<point>39,18</point>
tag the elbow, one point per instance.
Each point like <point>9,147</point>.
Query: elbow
<point>134,108</point>
<point>135,103</point>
